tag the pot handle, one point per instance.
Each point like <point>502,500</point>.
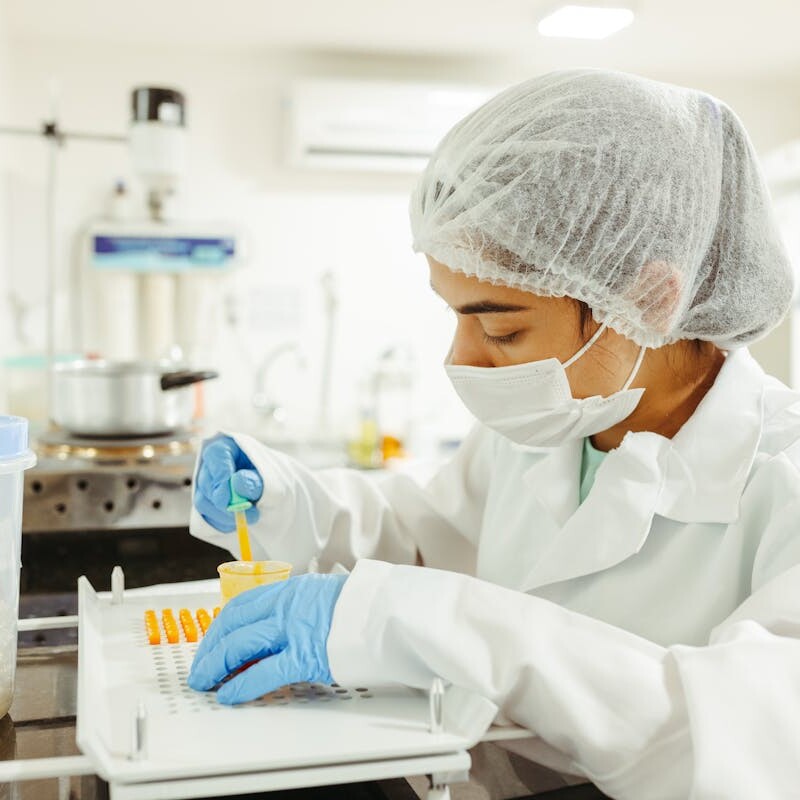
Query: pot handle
<point>174,380</point>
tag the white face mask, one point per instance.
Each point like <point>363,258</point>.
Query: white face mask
<point>532,404</point>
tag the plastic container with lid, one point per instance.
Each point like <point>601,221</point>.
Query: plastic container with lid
<point>15,458</point>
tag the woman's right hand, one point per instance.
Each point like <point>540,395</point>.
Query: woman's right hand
<point>223,461</point>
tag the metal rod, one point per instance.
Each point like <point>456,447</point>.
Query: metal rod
<point>9,131</point>
<point>109,138</point>
<point>30,769</point>
<point>50,130</point>
<point>50,271</point>
<point>47,623</point>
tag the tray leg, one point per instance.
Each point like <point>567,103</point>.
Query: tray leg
<point>439,783</point>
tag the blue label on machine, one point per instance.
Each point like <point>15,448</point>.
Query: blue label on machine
<point>162,253</point>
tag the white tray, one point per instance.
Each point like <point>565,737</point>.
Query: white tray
<point>188,735</point>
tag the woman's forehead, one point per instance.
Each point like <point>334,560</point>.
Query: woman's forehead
<point>449,282</point>
<point>458,289</point>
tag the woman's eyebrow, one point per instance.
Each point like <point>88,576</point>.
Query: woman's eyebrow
<point>489,307</point>
<point>486,306</point>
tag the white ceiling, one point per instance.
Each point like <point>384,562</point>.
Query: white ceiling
<point>715,37</point>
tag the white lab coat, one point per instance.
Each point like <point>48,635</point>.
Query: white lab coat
<point>649,638</point>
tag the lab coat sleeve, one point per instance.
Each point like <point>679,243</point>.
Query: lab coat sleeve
<point>317,520</point>
<point>604,698</point>
<point>640,720</point>
<point>743,690</point>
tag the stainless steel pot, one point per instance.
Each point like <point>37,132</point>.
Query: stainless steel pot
<point>107,398</point>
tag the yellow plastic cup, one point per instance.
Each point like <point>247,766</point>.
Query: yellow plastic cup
<point>236,577</point>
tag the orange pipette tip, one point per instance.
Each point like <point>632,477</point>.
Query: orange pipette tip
<point>187,623</point>
<point>170,626</point>
<point>151,627</point>
<point>203,620</point>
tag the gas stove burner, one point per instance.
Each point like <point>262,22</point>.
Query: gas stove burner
<point>62,445</point>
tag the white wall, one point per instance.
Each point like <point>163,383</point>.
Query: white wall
<point>771,113</point>
<point>298,225</point>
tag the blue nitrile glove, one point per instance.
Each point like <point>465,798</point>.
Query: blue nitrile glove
<point>220,461</point>
<point>284,624</point>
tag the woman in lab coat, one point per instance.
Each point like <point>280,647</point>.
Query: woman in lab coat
<point>612,555</point>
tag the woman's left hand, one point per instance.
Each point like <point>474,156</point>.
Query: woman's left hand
<point>282,626</point>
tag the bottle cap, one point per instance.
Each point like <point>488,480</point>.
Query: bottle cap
<point>13,437</point>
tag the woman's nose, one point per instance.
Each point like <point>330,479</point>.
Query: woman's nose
<point>467,350</point>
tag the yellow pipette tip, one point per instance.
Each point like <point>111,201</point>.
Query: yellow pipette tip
<point>244,536</point>
<point>238,506</point>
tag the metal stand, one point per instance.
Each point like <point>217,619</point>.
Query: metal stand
<point>55,138</point>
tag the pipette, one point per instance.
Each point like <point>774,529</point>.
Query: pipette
<point>238,506</point>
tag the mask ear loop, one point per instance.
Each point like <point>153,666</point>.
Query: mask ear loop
<point>597,334</point>
<point>635,369</point>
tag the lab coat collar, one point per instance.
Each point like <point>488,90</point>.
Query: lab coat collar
<point>708,461</point>
<point>698,476</point>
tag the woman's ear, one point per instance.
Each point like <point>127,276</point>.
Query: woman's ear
<point>657,294</point>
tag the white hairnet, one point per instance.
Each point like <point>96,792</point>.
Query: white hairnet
<point>642,199</point>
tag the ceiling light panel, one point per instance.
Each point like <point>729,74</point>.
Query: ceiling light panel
<point>585,22</point>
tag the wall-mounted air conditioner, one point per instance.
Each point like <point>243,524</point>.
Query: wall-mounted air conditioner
<point>366,125</point>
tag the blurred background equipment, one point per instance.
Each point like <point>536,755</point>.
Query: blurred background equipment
<point>116,400</point>
<point>116,439</point>
<point>158,143</point>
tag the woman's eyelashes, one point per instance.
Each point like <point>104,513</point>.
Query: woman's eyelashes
<point>497,340</point>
